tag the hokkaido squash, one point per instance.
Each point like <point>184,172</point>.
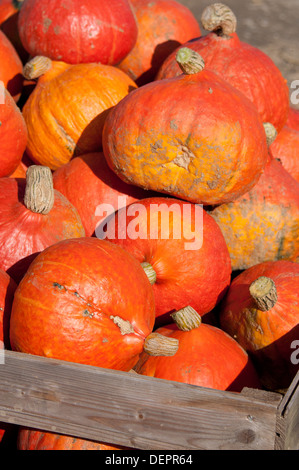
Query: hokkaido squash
<point>162,26</point>
<point>260,311</point>
<point>244,66</point>
<point>66,110</point>
<point>34,439</point>
<point>78,31</point>
<point>263,224</point>
<point>107,303</point>
<point>181,249</point>
<point>13,132</point>
<point>95,190</point>
<point>32,216</point>
<point>10,67</point>
<point>207,356</point>
<point>194,137</point>
<point>285,148</point>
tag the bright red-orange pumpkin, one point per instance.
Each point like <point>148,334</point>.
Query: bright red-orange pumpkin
<point>10,67</point>
<point>185,253</point>
<point>207,356</point>
<point>30,224</point>
<point>34,439</point>
<point>90,302</point>
<point>13,135</point>
<point>95,190</point>
<point>285,148</point>
<point>194,136</point>
<point>78,31</point>
<point>244,66</point>
<point>261,311</point>
<point>9,15</point>
<point>162,26</point>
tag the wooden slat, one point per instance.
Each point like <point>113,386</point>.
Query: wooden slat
<point>288,418</point>
<point>131,410</point>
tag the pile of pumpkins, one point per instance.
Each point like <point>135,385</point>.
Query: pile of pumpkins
<point>110,110</point>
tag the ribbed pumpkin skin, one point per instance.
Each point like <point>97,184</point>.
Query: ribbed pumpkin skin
<point>207,357</point>
<point>185,248</point>
<point>293,118</point>
<point>13,135</point>
<point>162,26</point>
<point>246,68</point>
<point>77,31</point>
<point>263,224</point>
<point>10,67</point>
<point>286,149</point>
<point>199,146</point>
<point>65,312</point>
<point>24,233</point>
<point>266,336</point>
<point>66,111</point>
<point>32,439</point>
<point>87,182</point>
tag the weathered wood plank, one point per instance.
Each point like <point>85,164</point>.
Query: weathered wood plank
<point>288,418</point>
<point>130,410</point>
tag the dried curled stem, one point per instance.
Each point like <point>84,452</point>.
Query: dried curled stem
<point>150,272</point>
<point>39,191</point>
<point>189,61</point>
<point>159,345</point>
<point>264,293</point>
<point>36,67</point>
<point>220,19</point>
<point>186,318</point>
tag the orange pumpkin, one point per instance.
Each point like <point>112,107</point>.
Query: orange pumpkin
<point>242,65</point>
<point>263,224</point>
<point>32,216</point>
<point>261,312</point>
<point>66,111</point>
<point>162,26</point>
<point>107,303</point>
<point>206,357</point>
<point>182,250</point>
<point>194,137</point>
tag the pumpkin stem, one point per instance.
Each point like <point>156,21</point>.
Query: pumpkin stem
<point>186,318</point>
<point>271,132</point>
<point>36,67</point>
<point>189,61</point>
<point>156,344</point>
<point>264,293</point>
<point>220,19</point>
<point>39,191</point>
<point>150,272</point>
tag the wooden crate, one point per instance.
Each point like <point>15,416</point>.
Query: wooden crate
<point>143,412</point>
